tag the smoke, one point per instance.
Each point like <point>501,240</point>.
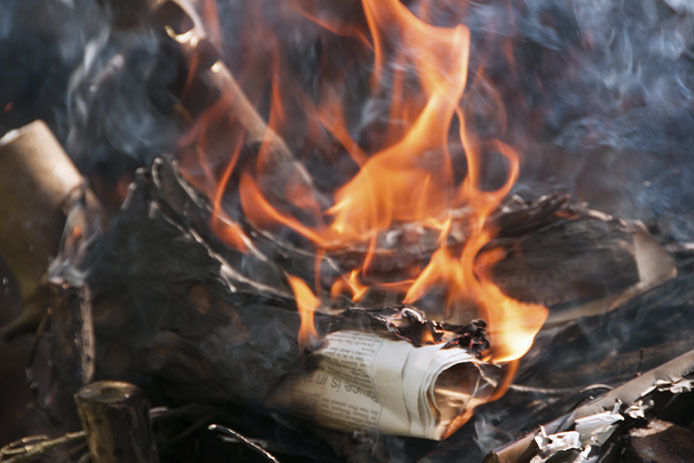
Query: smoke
<point>94,86</point>
<point>605,113</point>
<point>598,94</point>
<point>40,45</point>
<point>115,110</point>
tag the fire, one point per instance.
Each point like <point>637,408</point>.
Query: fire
<point>408,177</point>
<point>307,303</point>
<point>351,283</point>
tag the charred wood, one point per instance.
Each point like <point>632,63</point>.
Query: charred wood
<point>240,438</point>
<point>636,393</point>
<point>614,346</point>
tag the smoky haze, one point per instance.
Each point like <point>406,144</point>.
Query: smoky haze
<point>597,94</point>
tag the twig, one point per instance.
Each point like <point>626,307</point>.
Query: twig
<point>243,440</point>
<point>557,391</point>
<point>28,452</point>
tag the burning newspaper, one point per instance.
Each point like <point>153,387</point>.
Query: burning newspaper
<point>369,382</point>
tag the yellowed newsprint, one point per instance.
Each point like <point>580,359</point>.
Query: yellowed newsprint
<point>369,382</point>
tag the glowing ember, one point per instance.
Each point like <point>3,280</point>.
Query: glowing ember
<point>421,70</point>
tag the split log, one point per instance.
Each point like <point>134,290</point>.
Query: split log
<point>612,347</point>
<point>115,418</point>
<point>179,319</point>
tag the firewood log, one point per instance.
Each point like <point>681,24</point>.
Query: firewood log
<point>36,181</point>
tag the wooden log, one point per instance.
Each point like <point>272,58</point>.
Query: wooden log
<point>211,80</point>
<point>114,415</point>
<point>211,334</point>
<point>36,180</point>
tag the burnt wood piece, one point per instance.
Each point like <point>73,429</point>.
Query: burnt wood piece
<point>659,442</point>
<point>568,260</point>
<point>612,367</point>
<point>244,440</point>
<point>522,450</point>
<point>280,168</point>
<point>115,418</point>
<point>42,448</point>
<point>564,255</point>
<point>612,347</point>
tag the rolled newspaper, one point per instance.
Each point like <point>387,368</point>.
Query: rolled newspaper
<point>365,381</point>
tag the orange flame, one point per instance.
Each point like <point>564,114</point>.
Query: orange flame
<point>307,303</point>
<point>422,71</point>
<point>351,283</point>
